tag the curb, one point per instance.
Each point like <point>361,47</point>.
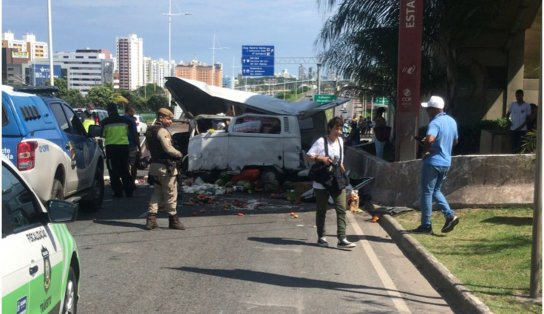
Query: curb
<point>458,296</point>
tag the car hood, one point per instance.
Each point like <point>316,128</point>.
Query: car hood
<point>196,98</point>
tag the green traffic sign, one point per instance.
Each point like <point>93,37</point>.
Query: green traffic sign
<point>324,98</point>
<point>381,101</point>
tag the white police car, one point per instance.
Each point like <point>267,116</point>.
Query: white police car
<point>39,266</point>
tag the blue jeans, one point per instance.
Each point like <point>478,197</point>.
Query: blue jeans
<point>379,145</point>
<point>432,178</point>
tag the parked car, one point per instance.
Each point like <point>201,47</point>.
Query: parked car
<point>44,138</point>
<point>141,126</point>
<point>260,131</point>
<point>40,263</point>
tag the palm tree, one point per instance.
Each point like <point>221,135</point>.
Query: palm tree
<point>360,40</point>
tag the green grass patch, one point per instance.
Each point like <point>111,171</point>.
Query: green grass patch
<point>489,251</point>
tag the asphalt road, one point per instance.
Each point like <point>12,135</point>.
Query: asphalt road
<point>265,261</point>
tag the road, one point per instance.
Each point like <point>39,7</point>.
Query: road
<point>265,261</point>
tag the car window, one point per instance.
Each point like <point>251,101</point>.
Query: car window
<point>75,122</point>
<point>4,117</point>
<point>20,209</point>
<point>60,117</point>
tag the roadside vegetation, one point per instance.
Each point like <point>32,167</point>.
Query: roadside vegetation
<point>489,252</point>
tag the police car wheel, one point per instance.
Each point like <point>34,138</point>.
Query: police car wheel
<point>57,191</point>
<point>96,191</point>
<point>70,297</point>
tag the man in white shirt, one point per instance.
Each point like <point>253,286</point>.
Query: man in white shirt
<point>518,114</point>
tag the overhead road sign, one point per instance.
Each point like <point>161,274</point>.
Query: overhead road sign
<point>324,98</point>
<point>257,60</point>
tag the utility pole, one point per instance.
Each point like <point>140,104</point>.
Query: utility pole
<point>51,73</point>
<point>213,58</point>
<point>170,14</point>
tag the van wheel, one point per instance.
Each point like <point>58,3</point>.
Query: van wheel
<point>96,193</point>
<point>70,296</point>
<point>57,191</point>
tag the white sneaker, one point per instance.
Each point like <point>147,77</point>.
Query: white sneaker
<point>322,241</point>
<point>344,243</point>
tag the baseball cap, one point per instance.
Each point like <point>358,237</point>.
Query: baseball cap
<point>166,112</point>
<point>434,102</point>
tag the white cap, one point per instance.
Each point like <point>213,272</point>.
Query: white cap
<point>434,102</point>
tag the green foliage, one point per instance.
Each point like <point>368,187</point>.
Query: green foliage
<point>149,90</point>
<point>495,125</point>
<point>100,96</point>
<point>529,143</point>
<point>155,102</point>
<point>74,98</point>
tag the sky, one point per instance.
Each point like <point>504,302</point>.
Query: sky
<point>292,26</point>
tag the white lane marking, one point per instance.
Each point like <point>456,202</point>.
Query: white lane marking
<point>387,282</point>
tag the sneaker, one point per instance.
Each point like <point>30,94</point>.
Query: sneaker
<point>422,230</point>
<point>322,242</point>
<point>344,243</point>
<point>451,222</point>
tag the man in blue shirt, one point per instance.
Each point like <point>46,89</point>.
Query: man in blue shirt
<point>437,146</point>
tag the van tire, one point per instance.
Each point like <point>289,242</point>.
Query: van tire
<point>96,193</point>
<point>57,190</point>
<point>69,306</point>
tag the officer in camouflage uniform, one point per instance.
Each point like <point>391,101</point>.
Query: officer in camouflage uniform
<point>162,171</point>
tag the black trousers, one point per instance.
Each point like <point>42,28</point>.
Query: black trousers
<point>118,168</point>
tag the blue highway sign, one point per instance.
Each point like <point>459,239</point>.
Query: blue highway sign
<point>257,60</point>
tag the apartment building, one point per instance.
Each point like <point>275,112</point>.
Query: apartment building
<point>130,62</point>
<point>155,71</point>
<point>27,47</point>
<point>211,75</point>
<point>86,68</point>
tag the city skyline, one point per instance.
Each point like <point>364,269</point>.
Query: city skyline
<point>291,26</point>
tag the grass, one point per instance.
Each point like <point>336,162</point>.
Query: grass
<point>489,252</point>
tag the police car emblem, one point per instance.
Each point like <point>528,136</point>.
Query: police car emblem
<point>46,269</point>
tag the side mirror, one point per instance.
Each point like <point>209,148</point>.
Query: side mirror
<point>95,131</point>
<point>61,211</point>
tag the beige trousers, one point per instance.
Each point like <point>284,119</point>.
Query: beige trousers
<point>165,195</point>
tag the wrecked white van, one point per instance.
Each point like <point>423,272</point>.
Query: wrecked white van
<point>253,130</point>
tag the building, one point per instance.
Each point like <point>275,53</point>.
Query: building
<point>28,46</point>
<point>130,62</point>
<point>301,72</point>
<point>155,71</point>
<point>211,75</point>
<point>86,68</point>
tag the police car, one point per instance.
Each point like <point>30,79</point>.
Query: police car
<point>44,138</point>
<point>40,265</point>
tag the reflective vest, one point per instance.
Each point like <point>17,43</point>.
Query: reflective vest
<point>116,130</point>
<point>87,123</point>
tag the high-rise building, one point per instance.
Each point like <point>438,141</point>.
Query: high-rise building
<point>301,72</point>
<point>130,61</point>
<point>201,72</point>
<point>27,47</point>
<point>155,71</point>
<point>86,68</point>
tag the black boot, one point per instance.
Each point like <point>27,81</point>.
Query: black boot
<point>174,223</point>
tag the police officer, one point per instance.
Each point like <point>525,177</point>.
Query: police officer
<point>163,171</point>
<point>88,121</point>
<point>116,133</point>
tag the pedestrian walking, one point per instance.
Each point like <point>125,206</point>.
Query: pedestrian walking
<point>381,132</point>
<point>437,146</point>
<point>328,150</point>
<point>519,115</point>
<point>134,149</point>
<point>116,133</point>
<point>163,171</point>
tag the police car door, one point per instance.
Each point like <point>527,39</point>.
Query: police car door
<point>79,147</point>
<point>31,256</point>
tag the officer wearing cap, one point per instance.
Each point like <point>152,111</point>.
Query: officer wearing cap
<point>437,146</point>
<point>116,132</point>
<point>163,171</point>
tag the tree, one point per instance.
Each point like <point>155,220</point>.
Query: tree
<point>360,40</point>
<point>70,96</point>
<point>100,96</point>
<point>149,90</point>
<point>155,102</point>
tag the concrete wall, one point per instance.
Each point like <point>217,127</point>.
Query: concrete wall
<point>474,180</point>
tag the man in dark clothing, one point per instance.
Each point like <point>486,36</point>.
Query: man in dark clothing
<point>116,133</point>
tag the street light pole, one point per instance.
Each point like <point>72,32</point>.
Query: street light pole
<point>213,58</point>
<point>51,73</point>
<point>170,14</point>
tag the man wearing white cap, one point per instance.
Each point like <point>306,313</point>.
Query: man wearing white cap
<point>437,146</point>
